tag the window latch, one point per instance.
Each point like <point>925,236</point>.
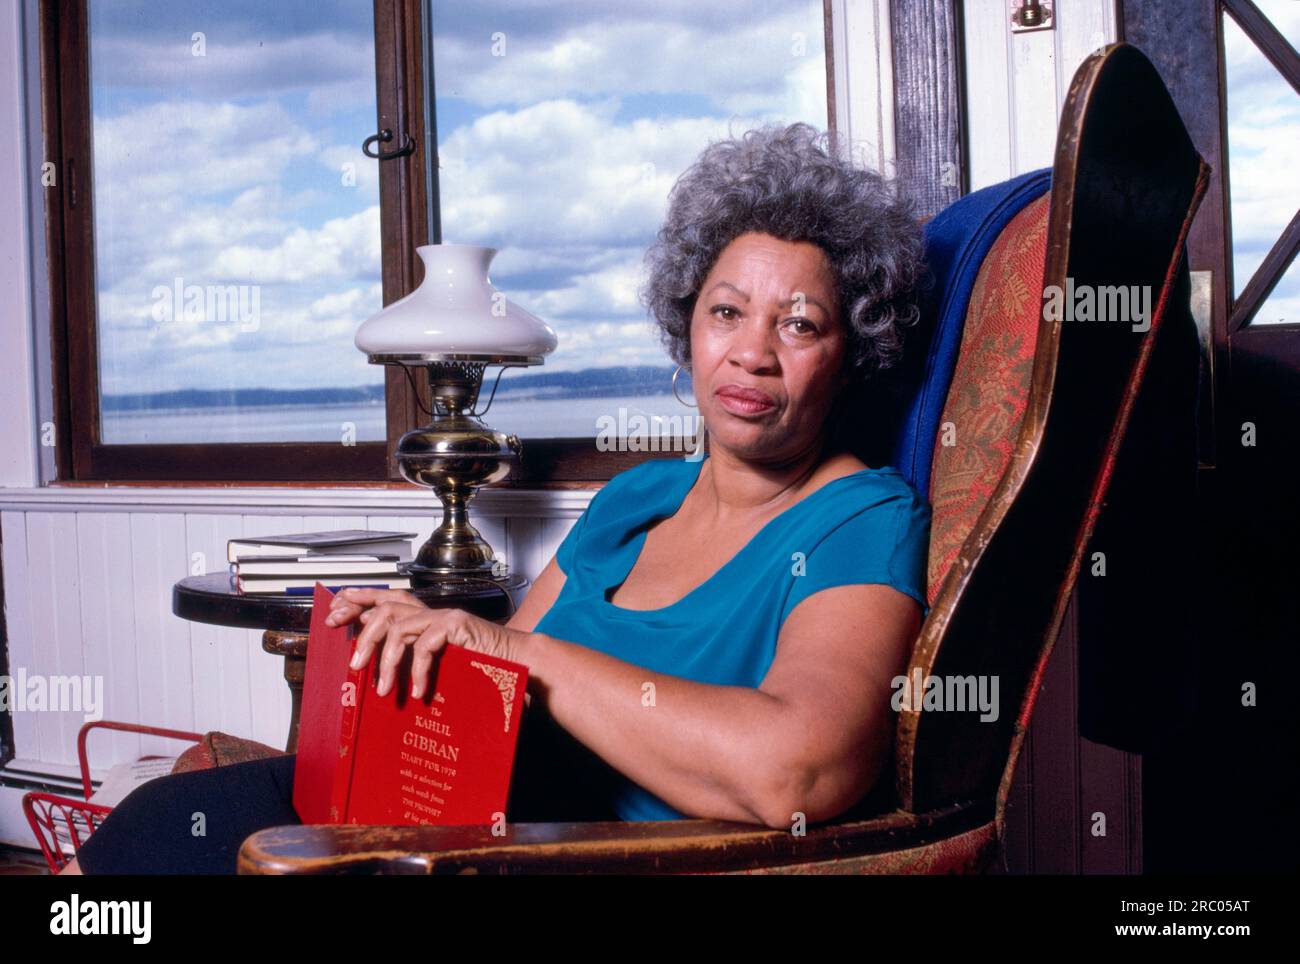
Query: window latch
<point>386,135</point>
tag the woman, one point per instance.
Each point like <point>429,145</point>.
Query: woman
<point>715,637</point>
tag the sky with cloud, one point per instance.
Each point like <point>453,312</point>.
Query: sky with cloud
<point>1263,156</point>
<point>561,128</point>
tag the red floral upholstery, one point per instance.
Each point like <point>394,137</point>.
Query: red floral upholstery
<point>990,385</point>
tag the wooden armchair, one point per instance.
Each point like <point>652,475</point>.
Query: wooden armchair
<point>1014,427</point>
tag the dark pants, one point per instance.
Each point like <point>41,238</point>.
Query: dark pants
<point>192,823</point>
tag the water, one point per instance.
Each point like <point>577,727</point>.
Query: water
<point>527,418</point>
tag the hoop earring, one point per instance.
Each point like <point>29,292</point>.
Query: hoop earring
<point>676,372</point>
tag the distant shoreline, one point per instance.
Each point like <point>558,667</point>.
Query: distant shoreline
<point>515,385</point>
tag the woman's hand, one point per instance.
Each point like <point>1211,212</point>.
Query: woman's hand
<point>348,604</point>
<point>392,624</point>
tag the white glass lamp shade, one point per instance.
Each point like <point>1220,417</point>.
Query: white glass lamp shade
<point>455,311</point>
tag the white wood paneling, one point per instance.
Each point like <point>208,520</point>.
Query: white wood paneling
<point>1033,100</point>
<point>864,81</point>
<point>57,633</point>
<point>988,109</point>
<point>109,642</point>
<point>269,698</point>
<point>88,575</point>
<point>1087,25</point>
<point>1016,83</point>
<point>222,665</point>
<point>20,634</point>
<point>157,558</point>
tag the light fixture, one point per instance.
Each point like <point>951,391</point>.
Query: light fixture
<point>454,325</point>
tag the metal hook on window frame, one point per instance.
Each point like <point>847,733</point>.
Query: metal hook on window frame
<point>386,135</point>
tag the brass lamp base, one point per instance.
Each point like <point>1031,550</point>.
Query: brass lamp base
<point>454,455</point>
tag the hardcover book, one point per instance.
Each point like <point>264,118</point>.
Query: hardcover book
<point>317,565</point>
<point>306,586</point>
<point>321,543</point>
<point>444,759</point>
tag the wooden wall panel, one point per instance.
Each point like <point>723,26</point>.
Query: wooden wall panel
<point>109,642</point>
<point>88,592</point>
<point>1016,83</point>
<point>19,631</point>
<point>221,662</point>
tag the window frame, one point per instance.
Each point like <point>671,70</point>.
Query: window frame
<point>80,454</point>
<point>409,215</point>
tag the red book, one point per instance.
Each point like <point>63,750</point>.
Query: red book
<point>386,760</point>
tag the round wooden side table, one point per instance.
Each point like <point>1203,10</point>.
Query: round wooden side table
<point>285,620</point>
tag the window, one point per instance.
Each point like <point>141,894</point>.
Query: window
<point>1263,127</point>
<point>216,233</point>
<point>236,227</point>
<point>561,130</point>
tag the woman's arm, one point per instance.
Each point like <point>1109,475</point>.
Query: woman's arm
<point>811,739</point>
<point>540,598</point>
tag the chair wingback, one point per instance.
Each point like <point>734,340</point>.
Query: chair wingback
<point>957,242</point>
<point>990,385</point>
<point>1018,492</point>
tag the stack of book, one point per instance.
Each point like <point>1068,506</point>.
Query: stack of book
<point>293,564</point>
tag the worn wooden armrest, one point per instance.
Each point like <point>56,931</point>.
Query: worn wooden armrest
<point>669,846</point>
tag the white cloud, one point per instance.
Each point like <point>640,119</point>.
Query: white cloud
<point>739,60</point>
<point>342,248</point>
<point>195,148</point>
<point>352,170</point>
<point>332,70</point>
<point>226,179</point>
<point>211,193</point>
<point>563,172</point>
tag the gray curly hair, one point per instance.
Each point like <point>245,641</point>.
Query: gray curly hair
<point>786,183</point>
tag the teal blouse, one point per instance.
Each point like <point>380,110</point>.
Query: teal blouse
<point>867,527</point>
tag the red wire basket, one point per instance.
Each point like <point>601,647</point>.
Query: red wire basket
<point>47,813</point>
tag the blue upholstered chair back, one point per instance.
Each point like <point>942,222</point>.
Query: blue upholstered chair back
<point>956,241</point>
